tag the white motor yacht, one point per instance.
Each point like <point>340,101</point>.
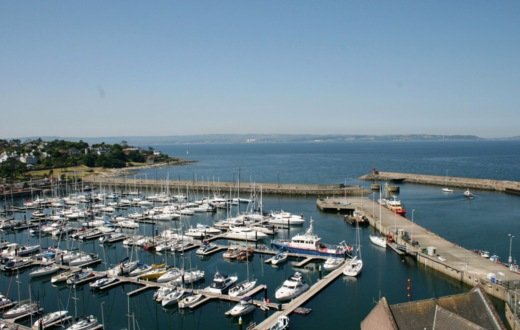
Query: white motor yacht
<point>221,283</point>
<point>332,263</point>
<point>291,287</point>
<point>245,306</point>
<point>242,288</point>
<point>281,324</point>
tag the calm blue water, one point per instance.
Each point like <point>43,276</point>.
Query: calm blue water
<point>337,162</point>
<point>483,223</point>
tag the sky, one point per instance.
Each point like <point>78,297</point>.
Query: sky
<point>160,68</point>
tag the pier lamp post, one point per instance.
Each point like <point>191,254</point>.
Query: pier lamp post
<point>510,260</point>
<point>411,236</point>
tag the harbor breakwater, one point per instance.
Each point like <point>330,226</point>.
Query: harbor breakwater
<point>218,187</point>
<point>446,181</point>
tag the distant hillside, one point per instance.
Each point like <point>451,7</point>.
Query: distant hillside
<point>269,138</point>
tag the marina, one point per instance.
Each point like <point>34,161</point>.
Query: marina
<point>420,251</point>
<point>452,260</point>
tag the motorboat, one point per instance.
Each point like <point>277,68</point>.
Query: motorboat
<point>84,323</point>
<point>285,218</point>
<point>332,263</point>
<point>22,309</point>
<point>221,283</point>
<point>395,206</point>
<point>172,298</point>
<point>353,267</point>
<point>310,243</point>
<point>206,248</point>
<point>279,258</point>
<point>245,306</point>
<point>291,287</point>
<point>190,300</point>
<point>201,231</point>
<point>112,237</point>
<point>244,234</point>
<point>468,194</point>
<point>245,254</point>
<point>282,323</point>
<point>242,288</point>
<point>231,253</point>
<point>49,319</point>
<point>45,270</point>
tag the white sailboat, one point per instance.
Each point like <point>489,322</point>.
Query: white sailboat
<point>446,189</point>
<point>379,240</point>
<point>243,287</point>
<point>353,266</point>
<point>291,288</point>
<point>191,300</point>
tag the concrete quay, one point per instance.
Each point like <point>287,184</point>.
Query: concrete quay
<point>208,187</point>
<point>436,252</point>
<point>446,181</point>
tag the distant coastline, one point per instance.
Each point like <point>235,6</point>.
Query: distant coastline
<point>278,138</point>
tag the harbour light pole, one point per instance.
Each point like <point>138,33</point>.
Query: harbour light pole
<point>510,260</point>
<point>413,211</point>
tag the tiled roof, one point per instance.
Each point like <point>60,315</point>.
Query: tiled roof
<point>471,310</point>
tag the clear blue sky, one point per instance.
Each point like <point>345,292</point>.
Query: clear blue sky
<point>111,68</point>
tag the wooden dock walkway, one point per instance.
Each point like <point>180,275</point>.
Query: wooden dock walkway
<point>301,299</point>
<point>447,181</point>
<point>191,185</point>
<point>438,253</point>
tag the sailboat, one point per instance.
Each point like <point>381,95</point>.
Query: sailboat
<point>379,240</point>
<point>353,266</point>
<point>446,189</point>
<point>245,286</point>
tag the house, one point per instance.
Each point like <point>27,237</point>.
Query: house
<point>3,157</point>
<point>28,159</point>
<point>470,310</point>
